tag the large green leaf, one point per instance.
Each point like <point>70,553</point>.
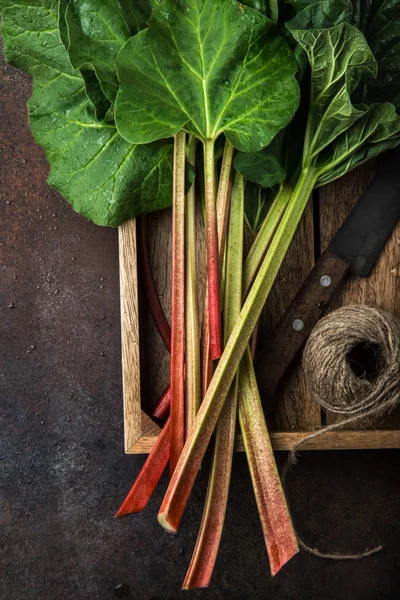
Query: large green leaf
<point>262,167</point>
<point>267,7</point>
<point>378,130</point>
<point>93,32</point>
<point>379,20</point>
<point>340,135</point>
<point>320,14</point>
<point>339,59</point>
<point>104,177</point>
<point>96,31</point>
<point>209,66</point>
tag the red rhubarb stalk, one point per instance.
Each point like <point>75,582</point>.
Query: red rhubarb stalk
<point>279,534</point>
<point>205,554</point>
<point>213,291</point>
<point>223,203</point>
<point>149,286</point>
<point>192,331</point>
<point>149,475</point>
<point>161,409</point>
<point>178,304</point>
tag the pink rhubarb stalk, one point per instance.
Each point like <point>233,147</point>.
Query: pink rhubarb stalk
<point>223,204</point>
<point>279,535</point>
<point>149,475</point>
<point>178,304</point>
<point>149,286</point>
<point>192,331</point>
<point>161,409</point>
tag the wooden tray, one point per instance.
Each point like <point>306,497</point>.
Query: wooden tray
<point>146,363</point>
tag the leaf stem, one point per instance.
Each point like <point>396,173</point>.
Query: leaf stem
<point>279,535</point>
<point>192,455</point>
<point>192,328</point>
<point>178,303</point>
<point>212,251</point>
<point>149,475</point>
<point>223,204</point>
<point>161,409</point>
<point>149,285</point>
<point>205,554</point>
<point>265,236</point>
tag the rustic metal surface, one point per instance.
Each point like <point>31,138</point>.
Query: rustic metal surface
<point>63,471</point>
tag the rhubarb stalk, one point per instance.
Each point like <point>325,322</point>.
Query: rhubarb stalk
<point>192,328</point>
<point>149,475</point>
<point>161,409</point>
<point>192,455</point>
<point>279,535</point>
<point>214,314</point>
<point>178,304</point>
<point>205,554</point>
<point>223,203</point>
<point>149,286</point>
<point>265,236</point>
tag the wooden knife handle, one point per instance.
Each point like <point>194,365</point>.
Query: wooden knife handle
<point>277,353</point>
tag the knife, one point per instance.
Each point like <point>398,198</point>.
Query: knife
<point>355,248</point>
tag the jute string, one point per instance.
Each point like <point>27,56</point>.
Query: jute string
<point>340,384</point>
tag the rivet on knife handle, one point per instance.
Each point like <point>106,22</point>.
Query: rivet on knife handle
<point>296,324</point>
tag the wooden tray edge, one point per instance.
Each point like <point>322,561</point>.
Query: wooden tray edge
<point>285,440</point>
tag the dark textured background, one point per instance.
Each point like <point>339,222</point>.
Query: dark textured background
<point>63,470</point>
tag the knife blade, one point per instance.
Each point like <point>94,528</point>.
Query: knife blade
<point>356,248</point>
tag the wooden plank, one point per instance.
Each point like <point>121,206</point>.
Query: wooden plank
<point>333,440</point>
<point>294,407</point>
<point>130,333</point>
<point>382,288</point>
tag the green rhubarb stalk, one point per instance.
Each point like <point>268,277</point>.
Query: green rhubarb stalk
<point>192,455</point>
<point>265,236</point>
<point>178,304</point>
<point>192,328</point>
<point>279,535</point>
<point>205,553</point>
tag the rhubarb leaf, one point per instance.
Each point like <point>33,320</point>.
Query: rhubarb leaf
<point>379,21</point>
<point>105,178</point>
<point>93,32</point>
<point>378,130</point>
<point>341,135</point>
<point>262,168</point>
<point>208,67</point>
<point>321,14</point>
<point>339,59</point>
<point>96,31</point>
<point>267,7</point>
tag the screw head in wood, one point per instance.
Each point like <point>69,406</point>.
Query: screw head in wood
<point>325,281</point>
<point>298,325</point>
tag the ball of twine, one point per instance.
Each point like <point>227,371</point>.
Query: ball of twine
<point>352,366</point>
<point>352,362</point>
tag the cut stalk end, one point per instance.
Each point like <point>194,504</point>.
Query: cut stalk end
<point>165,524</point>
<point>276,565</point>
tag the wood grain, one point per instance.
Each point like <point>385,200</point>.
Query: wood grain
<point>382,288</point>
<point>285,440</point>
<point>295,268</point>
<point>130,333</point>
